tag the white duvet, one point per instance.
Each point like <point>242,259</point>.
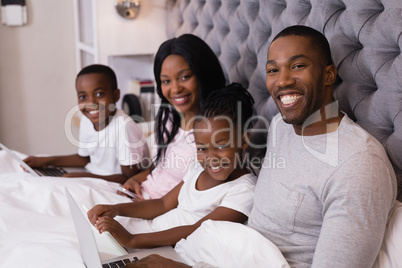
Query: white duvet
<point>36,228</point>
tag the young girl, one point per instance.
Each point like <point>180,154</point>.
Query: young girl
<point>218,186</point>
<point>186,70</point>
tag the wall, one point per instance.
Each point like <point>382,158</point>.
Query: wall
<point>37,68</point>
<point>37,72</point>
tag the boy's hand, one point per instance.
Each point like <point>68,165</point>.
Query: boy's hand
<point>99,211</point>
<point>77,175</point>
<point>155,261</point>
<point>39,162</point>
<point>108,224</point>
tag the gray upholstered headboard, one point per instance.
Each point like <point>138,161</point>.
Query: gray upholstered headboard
<point>365,38</point>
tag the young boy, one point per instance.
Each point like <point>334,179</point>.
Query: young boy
<point>111,144</point>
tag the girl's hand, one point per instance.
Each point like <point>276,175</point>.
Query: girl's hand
<point>100,211</point>
<point>108,224</point>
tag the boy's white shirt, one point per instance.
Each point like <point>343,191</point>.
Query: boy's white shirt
<point>120,143</point>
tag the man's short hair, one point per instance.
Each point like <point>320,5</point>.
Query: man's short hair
<point>318,41</point>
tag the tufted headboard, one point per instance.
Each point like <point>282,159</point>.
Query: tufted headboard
<point>365,38</point>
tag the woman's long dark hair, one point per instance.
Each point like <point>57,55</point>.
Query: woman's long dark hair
<point>208,71</point>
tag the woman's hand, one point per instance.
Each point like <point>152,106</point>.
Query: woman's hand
<point>108,224</point>
<point>133,186</point>
<point>100,211</point>
<point>134,183</point>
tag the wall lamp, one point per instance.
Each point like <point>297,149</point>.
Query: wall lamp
<point>128,9</point>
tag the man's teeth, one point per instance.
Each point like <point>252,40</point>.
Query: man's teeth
<point>289,99</point>
<point>93,112</point>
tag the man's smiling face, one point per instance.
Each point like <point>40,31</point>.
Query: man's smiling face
<point>296,78</point>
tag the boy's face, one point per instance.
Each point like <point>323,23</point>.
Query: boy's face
<point>219,146</point>
<point>96,98</point>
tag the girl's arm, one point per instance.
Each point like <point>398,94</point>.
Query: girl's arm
<point>171,236</point>
<point>146,209</point>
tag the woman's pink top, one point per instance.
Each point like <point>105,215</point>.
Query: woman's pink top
<point>170,171</point>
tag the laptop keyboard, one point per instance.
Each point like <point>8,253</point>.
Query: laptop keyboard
<point>53,172</point>
<point>121,263</point>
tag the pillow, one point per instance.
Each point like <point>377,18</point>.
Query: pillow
<point>391,248</point>
<point>228,244</point>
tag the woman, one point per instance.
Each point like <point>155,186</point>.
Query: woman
<point>186,70</point>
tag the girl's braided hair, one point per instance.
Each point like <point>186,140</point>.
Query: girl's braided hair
<point>233,101</point>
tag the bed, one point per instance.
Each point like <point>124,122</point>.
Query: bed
<point>36,229</point>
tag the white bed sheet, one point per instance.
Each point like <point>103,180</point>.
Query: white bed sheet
<point>36,228</point>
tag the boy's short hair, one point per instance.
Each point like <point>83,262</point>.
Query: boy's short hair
<point>100,69</point>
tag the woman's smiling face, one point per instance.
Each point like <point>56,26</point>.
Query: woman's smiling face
<point>179,85</point>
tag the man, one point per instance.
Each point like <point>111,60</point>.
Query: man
<point>327,205</point>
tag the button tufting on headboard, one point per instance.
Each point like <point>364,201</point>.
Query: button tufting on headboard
<point>365,38</point>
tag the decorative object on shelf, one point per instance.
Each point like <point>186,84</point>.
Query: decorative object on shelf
<point>128,9</point>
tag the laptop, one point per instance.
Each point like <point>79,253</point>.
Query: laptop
<point>89,248</point>
<point>50,171</point>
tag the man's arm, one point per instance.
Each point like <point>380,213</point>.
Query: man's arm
<point>356,205</point>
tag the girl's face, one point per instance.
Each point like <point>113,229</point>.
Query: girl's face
<point>96,98</point>
<point>219,146</point>
<point>179,85</point>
